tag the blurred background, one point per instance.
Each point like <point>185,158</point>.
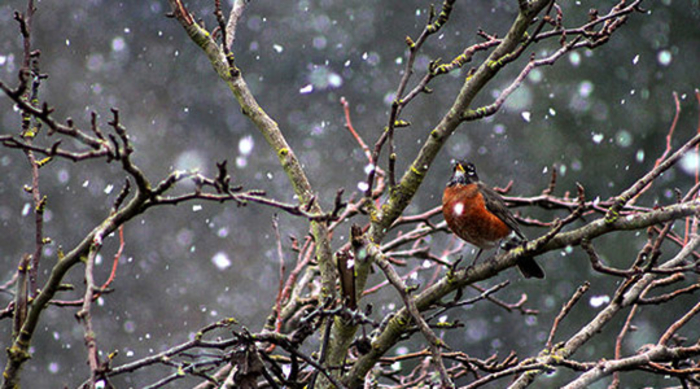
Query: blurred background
<point>599,117</point>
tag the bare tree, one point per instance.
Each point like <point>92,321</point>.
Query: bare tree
<point>323,296</point>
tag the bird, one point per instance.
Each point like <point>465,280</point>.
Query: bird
<point>478,215</point>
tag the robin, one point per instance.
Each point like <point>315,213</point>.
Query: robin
<point>478,215</point>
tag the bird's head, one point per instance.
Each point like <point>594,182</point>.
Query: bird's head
<point>463,173</point>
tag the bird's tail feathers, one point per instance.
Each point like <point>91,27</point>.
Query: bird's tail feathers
<point>526,264</point>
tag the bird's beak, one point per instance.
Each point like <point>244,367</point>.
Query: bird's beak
<point>458,173</point>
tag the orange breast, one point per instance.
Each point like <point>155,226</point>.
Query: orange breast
<point>465,213</point>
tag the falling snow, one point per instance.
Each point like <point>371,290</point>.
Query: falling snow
<point>118,44</point>
<point>190,160</point>
<point>640,156</point>
<point>585,88</point>
<point>245,145</point>
<point>221,260</point>
<point>63,176</point>
<point>623,138</point>
<point>599,301</point>
<point>334,64</point>
<point>222,232</point>
<point>664,57</point>
<point>690,162</point>
<point>53,367</point>
<point>25,210</point>
<point>575,58</point>
<point>306,89</point>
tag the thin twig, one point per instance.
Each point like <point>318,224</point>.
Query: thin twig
<point>565,311</point>
<point>678,324</point>
<point>434,343</point>
<point>234,17</point>
<point>280,257</point>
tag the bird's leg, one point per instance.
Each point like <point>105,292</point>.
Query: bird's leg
<point>508,244</point>
<point>477,257</point>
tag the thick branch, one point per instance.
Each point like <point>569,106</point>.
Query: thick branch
<point>658,353</point>
<point>413,177</point>
<point>272,133</point>
<point>629,297</point>
<point>462,277</point>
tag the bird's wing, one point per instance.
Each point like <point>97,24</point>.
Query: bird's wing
<point>495,204</point>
